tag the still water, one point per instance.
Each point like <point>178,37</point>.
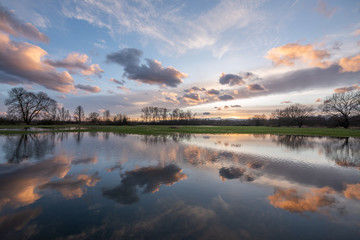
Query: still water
<point>114,186</point>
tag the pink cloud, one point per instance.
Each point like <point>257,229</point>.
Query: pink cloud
<point>88,88</point>
<point>76,62</point>
<point>11,25</point>
<point>347,89</point>
<point>324,9</point>
<point>21,63</point>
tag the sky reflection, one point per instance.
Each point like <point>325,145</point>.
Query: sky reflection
<point>112,186</point>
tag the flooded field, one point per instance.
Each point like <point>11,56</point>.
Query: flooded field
<point>114,186</point>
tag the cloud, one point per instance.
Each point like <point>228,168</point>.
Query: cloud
<point>301,80</point>
<point>196,89</point>
<point>226,97</point>
<point>120,82</point>
<point>151,73</point>
<point>71,186</point>
<point>286,102</point>
<point>292,201</point>
<point>88,88</point>
<point>350,64</point>
<point>324,9</point>
<point>21,63</point>
<point>11,25</point>
<point>192,97</point>
<point>148,178</point>
<point>256,87</point>
<point>213,92</point>
<point>125,89</point>
<point>290,53</point>
<point>352,191</point>
<point>75,62</point>
<point>235,106</point>
<point>164,23</point>
<point>231,79</point>
<point>170,97</point>
<point>206,113</point>
<point>347,89</point>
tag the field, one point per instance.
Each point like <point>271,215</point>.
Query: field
<point>152,129</point>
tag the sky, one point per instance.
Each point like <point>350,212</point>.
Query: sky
<point>217,58</point>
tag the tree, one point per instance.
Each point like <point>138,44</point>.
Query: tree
<point>63,114</point>
<point>106,115</point>
<point>297,113</point>
<point>343,106</point>
<point>94,117</point>
<point>28,105</point>
<point>79,114</point>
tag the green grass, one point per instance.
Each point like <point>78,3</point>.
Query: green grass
<point>152,130</point>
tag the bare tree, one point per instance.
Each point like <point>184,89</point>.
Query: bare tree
<point>106,115</point>
<point>297,113</point>
<point>94,117</point>
<point>28,105</point>
<point>63,114</point>
<point>79,114</point>
<point>343,106</point>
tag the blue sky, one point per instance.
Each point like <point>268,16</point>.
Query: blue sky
<point>226,58</point>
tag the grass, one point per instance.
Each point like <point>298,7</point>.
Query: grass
<point>155,129</point>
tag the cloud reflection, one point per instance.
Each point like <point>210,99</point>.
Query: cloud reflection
<point>293,201</point>
<point>71,186</point>
<point>148,178</point>
<point>18,188</point>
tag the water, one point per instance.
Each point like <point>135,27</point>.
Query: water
<point>114,186</point>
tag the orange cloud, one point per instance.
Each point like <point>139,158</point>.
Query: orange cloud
<point>352,191</point>
<point>350,64</point>
<point>292,52</point>
<point>292,201</point>
<point>21,62</point>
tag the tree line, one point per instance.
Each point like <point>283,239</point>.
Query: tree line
<point>25,106</point>
<point>338,109</point>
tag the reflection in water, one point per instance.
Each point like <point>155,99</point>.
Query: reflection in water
<point>293,142</point>
<point>150,178</point>
<point>352,191</point>
<point>344,151</point>
<point>293,201</point>
<point>71,186</point>
<point>18,187</point>
<point>18,148</point>
<point>269,181</point>
<point>17,221</point>
<point>175,137</point>
<point>235,173</point>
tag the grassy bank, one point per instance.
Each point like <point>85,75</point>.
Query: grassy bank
<point>151,129</point>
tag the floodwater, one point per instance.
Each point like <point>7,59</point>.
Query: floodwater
<point>114,186</point>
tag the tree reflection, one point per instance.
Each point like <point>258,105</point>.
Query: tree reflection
<point>294,142</point>
<point>18,148</point>
<point>344,151</point>
<point>163,138</point>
